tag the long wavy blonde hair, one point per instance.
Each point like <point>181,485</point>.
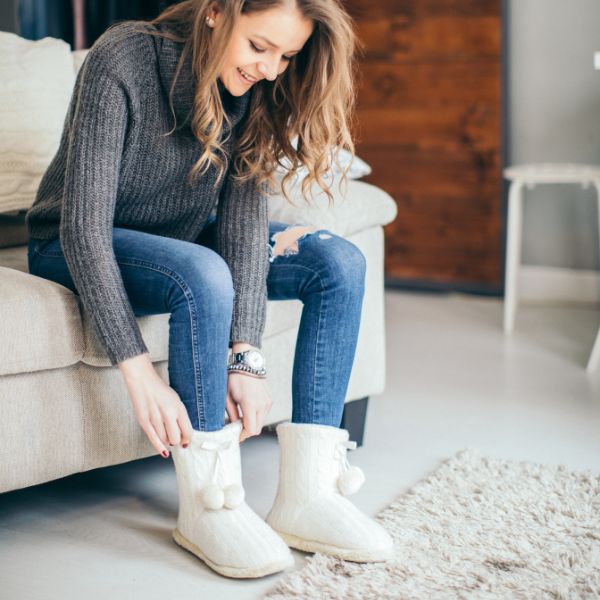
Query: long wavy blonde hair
<point>313,99</point>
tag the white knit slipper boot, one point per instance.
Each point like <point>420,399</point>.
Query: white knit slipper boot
<point>311,511</point>
<point>214,521</point>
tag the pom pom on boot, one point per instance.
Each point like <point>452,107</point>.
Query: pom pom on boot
<point>351,480</point>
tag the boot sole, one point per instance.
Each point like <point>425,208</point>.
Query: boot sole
<point>229,571</point>
<point>351,554</point>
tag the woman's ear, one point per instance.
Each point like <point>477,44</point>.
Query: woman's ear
<point>213,12</point>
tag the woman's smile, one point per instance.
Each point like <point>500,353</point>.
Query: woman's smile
<point>245,77</point>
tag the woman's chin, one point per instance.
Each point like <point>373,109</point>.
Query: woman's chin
<point>237,91</point>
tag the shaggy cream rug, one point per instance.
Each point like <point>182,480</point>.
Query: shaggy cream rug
<point>476,528</point>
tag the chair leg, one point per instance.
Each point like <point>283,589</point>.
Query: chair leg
<point>594,359</point>
<point>513,254</point>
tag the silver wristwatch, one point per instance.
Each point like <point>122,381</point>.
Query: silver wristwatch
<point>249,361</point>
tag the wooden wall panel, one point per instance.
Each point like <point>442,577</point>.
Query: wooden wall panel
<point>429,123</point>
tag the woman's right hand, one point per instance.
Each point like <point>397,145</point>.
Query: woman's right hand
<point>158,408</point>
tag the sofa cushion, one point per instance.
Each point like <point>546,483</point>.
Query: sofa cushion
<point>155,331</point>
<point>40,326</point>
<point>46,327</point>
<point>281,316</point>
<point>36,83</point>
<point>45,323</point>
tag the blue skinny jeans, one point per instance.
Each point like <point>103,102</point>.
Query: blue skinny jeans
<point>192,282</point>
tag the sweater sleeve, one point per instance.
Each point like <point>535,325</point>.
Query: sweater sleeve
<point>242,241</point>
<point>96,139</point>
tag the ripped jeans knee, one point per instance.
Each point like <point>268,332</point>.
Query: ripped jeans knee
<point>285,242</point>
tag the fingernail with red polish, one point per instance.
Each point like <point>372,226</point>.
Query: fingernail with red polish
<point>165,454</point>
<point>185,445</point>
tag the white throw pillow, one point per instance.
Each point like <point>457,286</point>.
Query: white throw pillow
<point>358,168</point>
<point>36,83</point>
<point>357,206</point>
<point>78,58</point>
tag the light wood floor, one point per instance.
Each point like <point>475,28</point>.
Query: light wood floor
<point>453,380</point>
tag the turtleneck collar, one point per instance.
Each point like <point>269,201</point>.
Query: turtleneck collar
<point>183,95</point>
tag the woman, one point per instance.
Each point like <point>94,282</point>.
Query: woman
<point>156,202</point>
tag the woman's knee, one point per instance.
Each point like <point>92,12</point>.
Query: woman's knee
<point>334,256</point>
<point>345,261</point>
<point>205,275</point>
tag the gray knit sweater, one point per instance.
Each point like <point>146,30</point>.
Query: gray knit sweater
<point>113,169</point>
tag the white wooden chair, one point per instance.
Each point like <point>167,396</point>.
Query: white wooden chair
<point>529,175</point>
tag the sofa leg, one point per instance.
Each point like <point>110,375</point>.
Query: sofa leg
<point>354,418</point>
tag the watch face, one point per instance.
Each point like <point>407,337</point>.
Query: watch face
<point>255,359</point>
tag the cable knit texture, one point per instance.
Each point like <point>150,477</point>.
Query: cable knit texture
<point>310,512</point>
<point>114,168</point>
<point>227,534</point>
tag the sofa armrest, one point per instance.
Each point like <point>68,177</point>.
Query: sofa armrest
<point>361,207</point>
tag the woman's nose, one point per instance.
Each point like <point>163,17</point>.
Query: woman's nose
<point>268,70</point>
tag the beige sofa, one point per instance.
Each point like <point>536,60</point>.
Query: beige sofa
<point>64,409</point>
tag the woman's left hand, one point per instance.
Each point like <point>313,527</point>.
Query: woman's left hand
<point>254,398</point>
